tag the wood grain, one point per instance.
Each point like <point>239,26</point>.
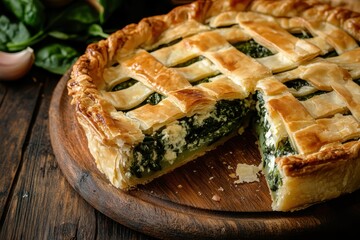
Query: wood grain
<point>13,129</point>
<point>36,200</point>
<point>179,205</point>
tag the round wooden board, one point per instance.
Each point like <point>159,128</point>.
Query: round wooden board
<point>179,205</point>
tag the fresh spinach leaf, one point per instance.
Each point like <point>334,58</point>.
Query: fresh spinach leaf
<point>25,23</point>
<point>75,19</point>
<point>94,31</point>
<point>12,33</point>
<point>56,58</point>
<point>64,36</point>
<point>97,31</point>
<point>17,46</point>
<point>29,12</point>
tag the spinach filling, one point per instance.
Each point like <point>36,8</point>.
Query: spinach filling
<point>268,149</point>
<point>173,42</point>
<point>297,84</point>
<point>196,132</point>
<point>330,54</point>
<point>150,155</point>
<point>302,35</point>
<point>253,49</point>
<point>152,99</point>
<point>189,62</point>
<point>124,85</point>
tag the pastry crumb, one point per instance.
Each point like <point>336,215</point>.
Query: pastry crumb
<point>232,175</point>
<point>179,186</point>
<point>221,189</point>
<point>247,173</point>
<point>216,198</point>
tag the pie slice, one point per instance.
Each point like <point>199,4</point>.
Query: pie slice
<point>158,94</point>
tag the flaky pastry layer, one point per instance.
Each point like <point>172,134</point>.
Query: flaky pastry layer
<point>112,133</point>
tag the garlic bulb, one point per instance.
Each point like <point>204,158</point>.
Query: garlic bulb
<point>15,65</point>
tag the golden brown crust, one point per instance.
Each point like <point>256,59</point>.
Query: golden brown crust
<point>313,178</point>
<point>131,53</point>
<point>353,5</point>
<point>299,165</point>
<point>311,10</point>
<point>86,72</point>
<point>152,73</point>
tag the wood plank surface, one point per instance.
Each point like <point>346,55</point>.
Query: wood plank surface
<point>180,205</point>
<point>36,200</point>
<point>32,203</point>
<point>15,114</point>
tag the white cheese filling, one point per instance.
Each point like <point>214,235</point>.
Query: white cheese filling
<point>174,135</point>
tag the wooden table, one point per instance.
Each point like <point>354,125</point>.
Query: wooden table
<point>36,201</point>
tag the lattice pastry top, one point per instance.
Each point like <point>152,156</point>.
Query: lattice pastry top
<point>162,92</point>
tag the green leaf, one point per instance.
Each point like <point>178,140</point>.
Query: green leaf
<point>82,13</point>
<point>30,12</point>
<point>97,31</point>
<point>64,36</point>
<point>12,33</point>
<point>56,58</point>
<point>77,24</point>
<point>75,19</point>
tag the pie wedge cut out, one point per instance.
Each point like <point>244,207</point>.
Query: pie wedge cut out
<point>160,93</point>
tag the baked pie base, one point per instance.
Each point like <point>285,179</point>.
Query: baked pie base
<point>326,161</point>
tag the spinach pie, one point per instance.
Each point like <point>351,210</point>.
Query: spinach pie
<point>160,93</point>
